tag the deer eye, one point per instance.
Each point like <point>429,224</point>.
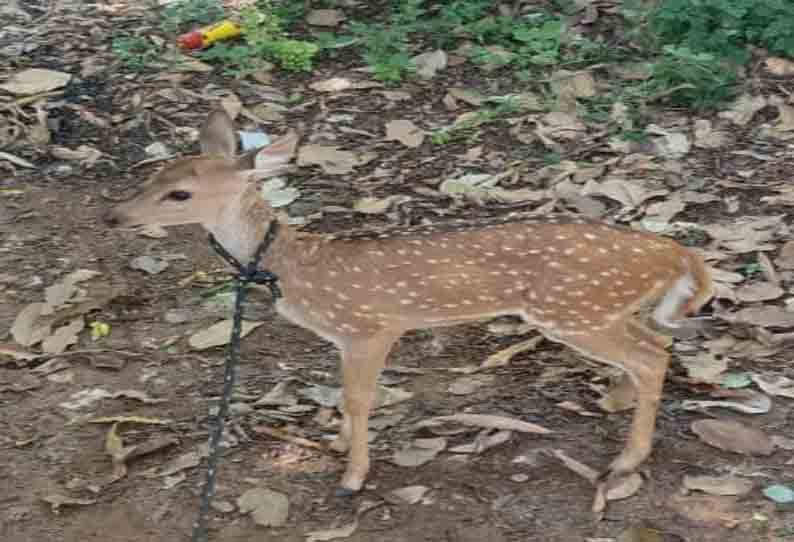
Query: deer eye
<point>179,195</point>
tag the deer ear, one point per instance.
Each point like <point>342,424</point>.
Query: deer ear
<point>217,135</point>
<point>272,157</point>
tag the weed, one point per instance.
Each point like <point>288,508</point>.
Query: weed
<point>292,55</point>
<point>465,128</point>
<point>386,45</point>
<point>178,15</point>
<point>135,52</point>
<point>552,158</point>
<point>264,39</point>
<point>700,43</point>
<point>750,269</point>
<point>725,27</point>
<point>637,136</point>
<point>699,79</point>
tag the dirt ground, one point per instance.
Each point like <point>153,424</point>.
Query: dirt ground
<point>50,225</point>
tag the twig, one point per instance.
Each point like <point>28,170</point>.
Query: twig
<point>283,435</point>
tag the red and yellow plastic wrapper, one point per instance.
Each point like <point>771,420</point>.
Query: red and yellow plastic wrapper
<point>204,37</point>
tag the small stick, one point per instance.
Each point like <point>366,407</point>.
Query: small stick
<point>283,435</point>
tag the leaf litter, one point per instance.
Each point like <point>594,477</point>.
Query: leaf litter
<point>768,306</point>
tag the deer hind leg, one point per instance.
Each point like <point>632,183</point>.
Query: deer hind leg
<point>362,362</point>
<point>639,351</point>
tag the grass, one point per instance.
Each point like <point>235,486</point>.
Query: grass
<point>692,47</point>
<point>135,52</point>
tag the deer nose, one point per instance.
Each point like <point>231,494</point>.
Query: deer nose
<point>111,219</point>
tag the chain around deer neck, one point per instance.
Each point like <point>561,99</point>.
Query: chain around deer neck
<point>245,274</point>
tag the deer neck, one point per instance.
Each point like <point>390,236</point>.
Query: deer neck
<point>241,224</point>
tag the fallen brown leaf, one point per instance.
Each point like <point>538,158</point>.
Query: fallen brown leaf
<point>733,436</point>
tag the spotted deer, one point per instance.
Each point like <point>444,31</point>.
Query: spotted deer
<point>579,282</point>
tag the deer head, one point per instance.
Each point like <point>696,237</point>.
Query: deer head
<point>204,189</point>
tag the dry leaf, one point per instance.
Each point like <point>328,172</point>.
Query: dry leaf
<point>470,97</point>
<point>11,351</point>
<point>621,396</point>
<point>63,337</point>
<point>410,494</point>
<point>663,212</point>
<point>58,500</point>
<point>219,334</point>
<point>333,534</point>
<point>268,508</point>
<point>484,440</point>
<point>85,154</point>
<point>775,384</point>
<point>503,357</point>
<point>419,452</point>
<point>482,187</point>
<point>373,206</point>
<point>633,534</point>
<point>707,509</point>
<point>576,407</point>
<point>325,17</point>
<point>579,84</point>
<point>744,109</point>
<point>406,132</point>
<point>708,138</point>
<point>784,443</point>
<point>85,398</point>
<point>759,291</point>
<point>488,421</point>
<point>781,67</point>
<point>390,395</point>
<point>151,265</point>
<point>719,485</point>
<point>428,64</point>
<point>747,234</point>
<point>745,401</point>
<point>335,84</point>
<point>35,81</point>
<point>705,367</point>
<point>671,145</point>
<point>629,193</point>
<point>559,125</point>
<point>141,396</point>
<point>26,330</point>
<point>14,159</point>
<point>332,160</point>
<point>733,436</point>
<point>65,291</point>
<point>785,259</point>
<point>469,384</point>
<point>130,419</point>
<point>185,461</point>
<point>785,119</point>
<point>623,487</point>
<point>761,316</point>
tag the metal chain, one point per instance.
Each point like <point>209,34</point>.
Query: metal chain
<point>245,275</point>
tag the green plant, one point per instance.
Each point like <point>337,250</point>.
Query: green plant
<point>700,43</point>
<point>135,52</point>
<point>289,12</point>
<point>694,79</point>
<point>292,55</point>
<point>465,128</point>
<point>725,27</point>
<point>750,269</point>
<point>526,45</point>
<point>238,60</point>
<point>183,12</point>
<point>264,39</point>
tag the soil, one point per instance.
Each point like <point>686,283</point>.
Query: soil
<point>52,226</point>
